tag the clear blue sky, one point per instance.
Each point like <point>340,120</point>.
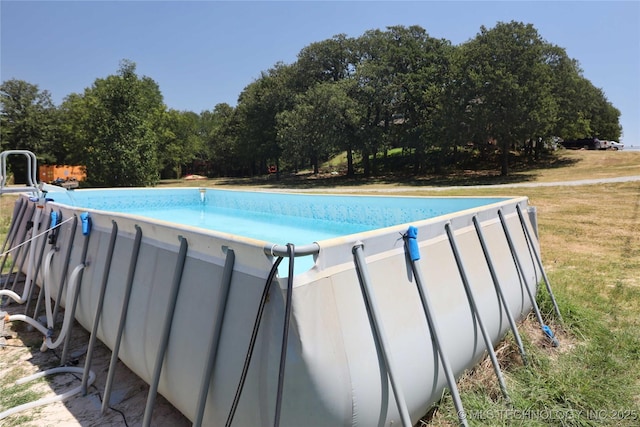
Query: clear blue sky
<point>204,53</point>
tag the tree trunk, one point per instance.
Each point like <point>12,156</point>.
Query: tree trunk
<point>505,159</point>
<point>417,161</point>
<point>366,164</point>
<point>350,171</point>
<point>537,149</point>
<point>374,163</point>
<point>528,149</point>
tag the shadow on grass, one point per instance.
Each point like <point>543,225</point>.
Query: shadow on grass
<point>306,180</point>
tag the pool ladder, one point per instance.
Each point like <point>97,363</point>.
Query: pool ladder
<point>32,170</point>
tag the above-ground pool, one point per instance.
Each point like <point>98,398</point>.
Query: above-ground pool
<point>184,286</point>
<point>290,218</point>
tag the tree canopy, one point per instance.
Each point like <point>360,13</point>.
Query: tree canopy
<point>503,95</point>
<point>119,127</point>
<point>26,118</point>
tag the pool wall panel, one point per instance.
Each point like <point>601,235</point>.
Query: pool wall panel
<point>334,374</point>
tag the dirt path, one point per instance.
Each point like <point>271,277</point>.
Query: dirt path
<point>406,188</point>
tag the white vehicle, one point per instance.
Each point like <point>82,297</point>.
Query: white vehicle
<point>611,145</point>
<point>615,145</point>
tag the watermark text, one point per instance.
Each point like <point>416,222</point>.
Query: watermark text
<point>553,414</point>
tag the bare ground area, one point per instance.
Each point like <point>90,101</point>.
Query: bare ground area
<point>20,356</point>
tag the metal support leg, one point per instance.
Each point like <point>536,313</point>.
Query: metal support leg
<point>539,261</point>
<point>25,250</point>
<point>166,330</point>
<point>19,237</point>
<point>67,338</point>
<point>33,245</point>
<point>123,319</point>
<point>496,284</point>
<point>98,314</point>
<point>40,299</point>
<point>65,268</point>
<point>474,310</point>
<point>413,256</point>
<point>18,213</point>
<point>215,337</point>
<point>523,279</point>
<point>24,253</point>
<point>378,331</point>
<point>52,239</point>
<point>38,268</point>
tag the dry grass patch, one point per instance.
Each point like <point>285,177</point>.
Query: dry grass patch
<point>591,165</point>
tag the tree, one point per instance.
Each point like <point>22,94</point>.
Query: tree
<point>73,115</point>
<point>330,60</point>
<point>27,122</point>
<point>318,124</point>
<point>258,105</point>
<point>605,121</point>
<point>583,110</point>
<point>218,129</point>
<point>26,117</point>
<point>421,70</point>
<point>334,61</point>
<point>504,87</point>
<point>179,142</point>
<point>118,119</point>
<point>401,73</point>
<point>375,94</point>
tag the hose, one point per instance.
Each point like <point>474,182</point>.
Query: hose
<point>44,331</point>
<point>46,277</point>
<point>48,331</point>
<point>66,324</point>
<point>21,299</point>
<point>47,400</point>
<point>252,341</point>
<point>285,334</point>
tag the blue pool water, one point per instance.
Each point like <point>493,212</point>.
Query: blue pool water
<point>272,217</point>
